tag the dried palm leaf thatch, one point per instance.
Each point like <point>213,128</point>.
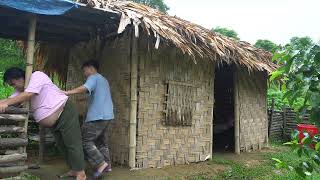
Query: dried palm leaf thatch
<point>50,58</point>
<point>190,38</point>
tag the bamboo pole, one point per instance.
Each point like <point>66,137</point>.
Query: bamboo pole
<point>29,67</point>
<point>41,143</point>
<point>212,122</point>
<point>236,113</point>
<point>12,157</point>
<point>31,47</point>
<point>133,104</point>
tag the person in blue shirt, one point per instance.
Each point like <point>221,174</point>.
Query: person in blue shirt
<point>100,112</point>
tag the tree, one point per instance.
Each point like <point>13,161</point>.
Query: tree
<point>226,32</point>
<point>10,55</point>
<point>157,4</point>
<point>266,45</point>
<point>300,72</point>
<point>301,43</point>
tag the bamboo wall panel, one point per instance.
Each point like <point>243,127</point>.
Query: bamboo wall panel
<point>252,106</point>
<point>158,144</point>
<point>113,57</point>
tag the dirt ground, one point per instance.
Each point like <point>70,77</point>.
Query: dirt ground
<point>51,168</point>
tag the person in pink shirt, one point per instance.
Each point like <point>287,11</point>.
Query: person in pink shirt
<point>51,108</point>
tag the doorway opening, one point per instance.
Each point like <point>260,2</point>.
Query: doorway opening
<point>223,117</point>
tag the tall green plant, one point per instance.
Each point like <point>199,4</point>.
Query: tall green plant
<point>301,74</point>
<point>10,55</point>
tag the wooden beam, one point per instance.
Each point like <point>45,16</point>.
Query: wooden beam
<point>133,101</point>
<point>236,112</point>
<point>13,117</point>
<point>42,141</point>
<point>15,110</point>
<point>12,157</point>
<point>15,169</point>
<point>271,117</point>
<point>11,129</point>
<point>30,48</point>
<point>13,142</point>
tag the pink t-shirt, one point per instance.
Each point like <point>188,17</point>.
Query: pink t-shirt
<point>48,99</point>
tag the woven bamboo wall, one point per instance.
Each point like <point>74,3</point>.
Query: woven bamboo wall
<point>252,108</point>
<point>113,57</point>
<point>115,65</point>
<point>159,145</point>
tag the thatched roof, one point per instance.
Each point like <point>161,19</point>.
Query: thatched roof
<point>190,38</point>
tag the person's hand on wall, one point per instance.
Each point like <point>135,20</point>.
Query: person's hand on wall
<point>3,106</point>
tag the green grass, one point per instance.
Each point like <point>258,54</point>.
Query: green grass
<point>266,170</point>
<point>27,176</point>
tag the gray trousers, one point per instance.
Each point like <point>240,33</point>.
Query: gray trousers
<point>95,143</point>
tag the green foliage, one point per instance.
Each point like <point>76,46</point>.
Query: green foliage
<point>266,45</point>
<point>10,55</point>
<point>26,176</point>
<point>157,4</point>
<point>226,32</point>
<point>300,71</point>
<point>275,92</point>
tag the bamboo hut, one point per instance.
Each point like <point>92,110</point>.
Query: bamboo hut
<point>173,82</point>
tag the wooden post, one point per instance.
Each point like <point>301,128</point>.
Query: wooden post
<point>213,120</point>
<point>134,100</point>
<point>29,67</point>
<point>284,125</point>
<point>30,50</point>
<point>236,113</point>
<point>271,117</point>
<point>42,135</point>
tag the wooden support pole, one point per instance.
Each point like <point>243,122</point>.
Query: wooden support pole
<point>134,101</point>
<point>271,117</point>
<point>30,48</point>
<point>213,120</point>
<point>42,142</point>
<point>29,68</point>
<point>284,125</point>
<point>236,113</point>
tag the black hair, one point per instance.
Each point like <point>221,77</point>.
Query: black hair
<point>92,63</point>
<point>13,73</point>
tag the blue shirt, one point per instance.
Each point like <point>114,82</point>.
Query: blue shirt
<point>100,101</point>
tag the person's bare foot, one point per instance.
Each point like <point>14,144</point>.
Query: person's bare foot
<point>68,174</point>
<point>81,175</point>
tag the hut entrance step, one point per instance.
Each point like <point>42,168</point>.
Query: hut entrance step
<point>224,106</point>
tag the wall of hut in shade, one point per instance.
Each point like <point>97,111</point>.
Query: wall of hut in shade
<point>114,59</point>
<point>251,94</point>
<point>168,82</point>
<point>175,101</point>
